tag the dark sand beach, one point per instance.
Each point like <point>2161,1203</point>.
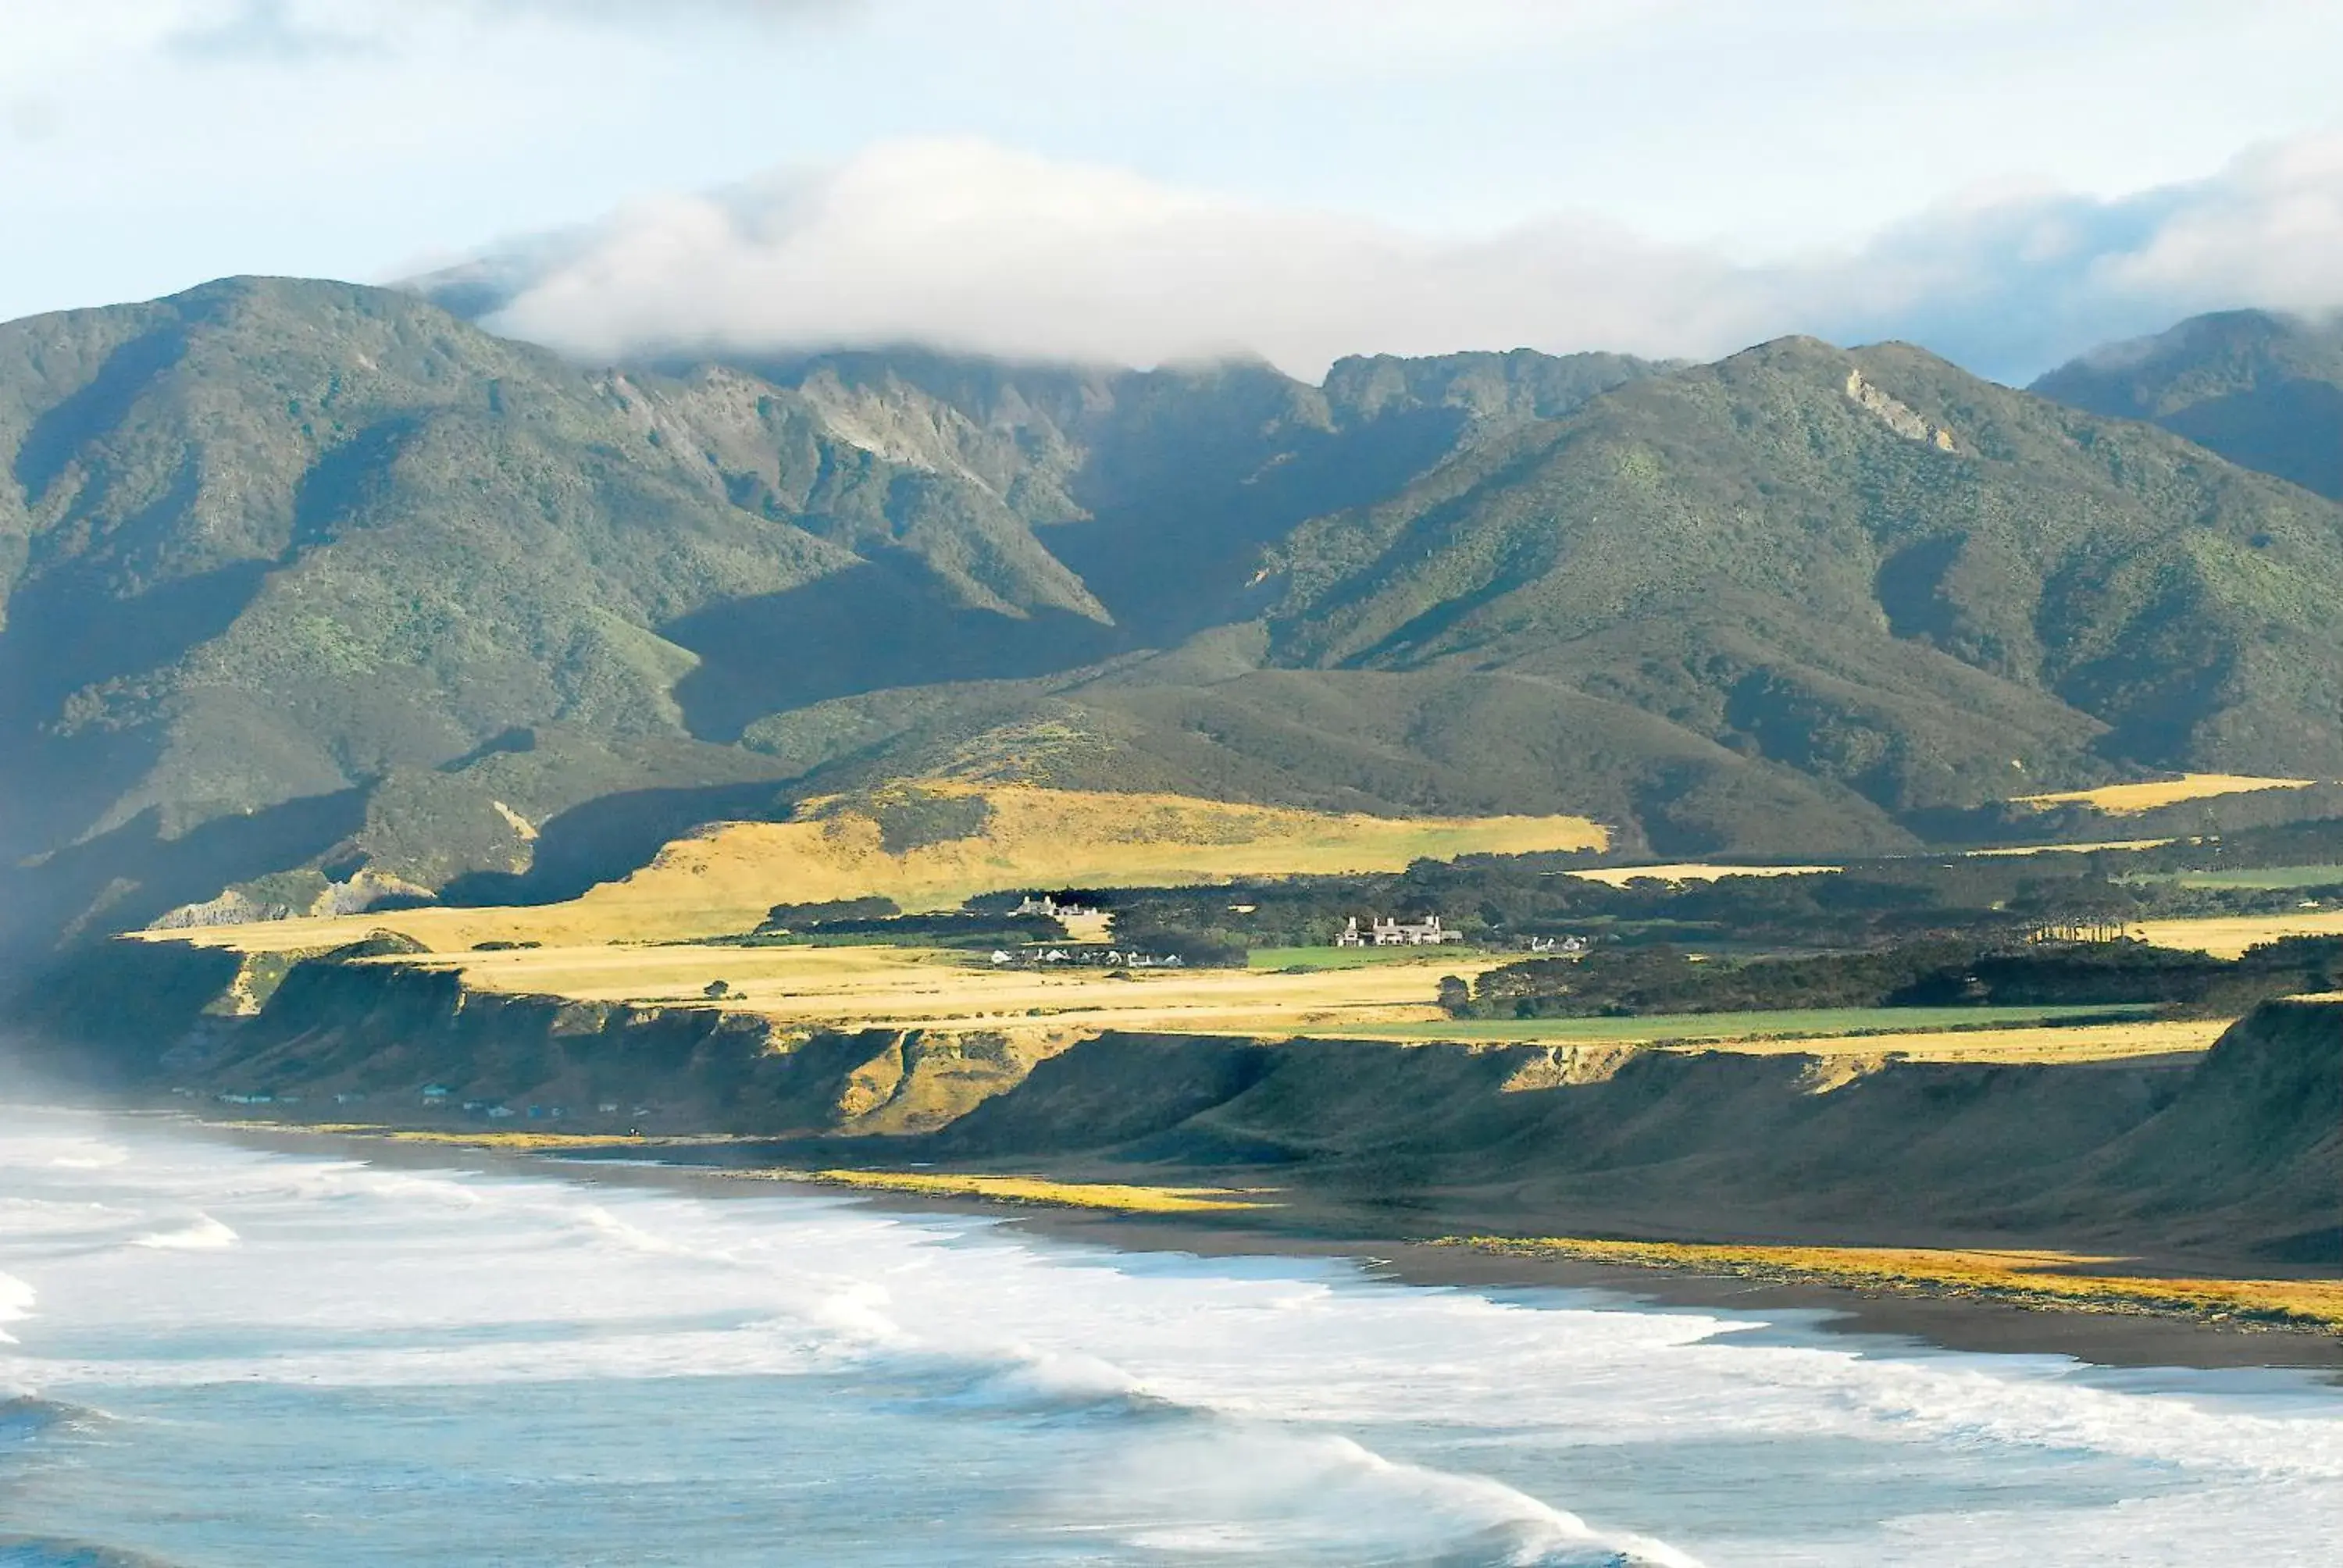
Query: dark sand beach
<point>1947,1319</point>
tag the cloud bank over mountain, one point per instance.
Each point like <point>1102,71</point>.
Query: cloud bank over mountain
<point>968,245</point>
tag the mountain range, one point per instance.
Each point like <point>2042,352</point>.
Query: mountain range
<point>322,593</point>
<point>2264,391</point>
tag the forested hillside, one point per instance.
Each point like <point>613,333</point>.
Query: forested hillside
<point>320,592</point>
<point>2264,391</point>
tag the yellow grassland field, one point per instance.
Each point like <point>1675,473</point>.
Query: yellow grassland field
<point>2008,851</point>
<point>2129,799</point>
<point>1710,870</point>
<point>812,988</point>
<point>1840,1059</point>
<point>722,880</point>
<point>2226,936</point>
<point>2038,1043</point>
<point>2058,1281</point>
<point>642,940</point>
<point>1112,1197</point>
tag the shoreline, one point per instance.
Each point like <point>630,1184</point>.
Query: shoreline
<point>1936,1320</point>
<point>1917,1315</point>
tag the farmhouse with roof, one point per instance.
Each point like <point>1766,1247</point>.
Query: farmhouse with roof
<point>1393,932</point>
<point>1048,906</point>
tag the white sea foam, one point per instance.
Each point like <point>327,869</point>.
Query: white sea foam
<point>1259,1409</point>
<point>1041,1382</point>
<point>16,1299</point>
<point>1247,1481</point>
<point>598,1221</point>
<point>2036,1403</point>
<point>43,1220</point>
<point>352,1181</point>
<point>90,1155</point>
<point>201,1234</point>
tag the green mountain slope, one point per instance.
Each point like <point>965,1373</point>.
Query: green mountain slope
<point>1433,741</point>
<point>319,593</point>
<point>1157,490</point>
<point>302,578</point>
<point>1768,604</point>
<point>273,542</point>
<point>1867,565</point>
<point>2266,391</point>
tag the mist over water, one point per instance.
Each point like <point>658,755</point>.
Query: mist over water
<point>215,1356</point>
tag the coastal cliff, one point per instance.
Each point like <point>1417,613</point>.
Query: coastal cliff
<point>2228,1158</point>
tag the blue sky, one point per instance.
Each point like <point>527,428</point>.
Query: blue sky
<point>1105,178</point>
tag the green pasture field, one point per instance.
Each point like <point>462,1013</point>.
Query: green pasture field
<point>2254,877</point>
<point>1332,958</point>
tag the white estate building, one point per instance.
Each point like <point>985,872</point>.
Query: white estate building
<point>1396,933</point>
<point>1046,905</point>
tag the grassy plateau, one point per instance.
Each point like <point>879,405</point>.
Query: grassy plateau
<point>884,987</point>
<point>2226,936</point>
<point>720,882</point>
<point>2129,799</point>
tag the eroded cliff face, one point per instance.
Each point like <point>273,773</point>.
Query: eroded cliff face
<point>2232,1159</point>
<point>363,1040</point>
<point>1897,415</point>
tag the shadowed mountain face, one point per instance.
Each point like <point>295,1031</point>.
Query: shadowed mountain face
<point>303,579</point>
<point>2265,391</point>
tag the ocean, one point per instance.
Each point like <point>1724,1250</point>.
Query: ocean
<point>217,1357</point>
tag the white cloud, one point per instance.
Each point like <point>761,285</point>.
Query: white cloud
<point>292,32</point>
<point>2270,231</point>
<point>151,143</point>
<point>966,244</point>
<point>267,29</point>
<point>969,246</point>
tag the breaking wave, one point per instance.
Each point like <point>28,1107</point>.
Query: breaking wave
<point>626,1364</point>
<point>25,1417</point>
<point>16,1299</point>
<point>203,1234</point>
<point>1319,1496</point>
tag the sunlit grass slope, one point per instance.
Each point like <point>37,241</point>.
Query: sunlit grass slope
<point>1037,836</point>
<point>930,846</point>
<point>2129,799</point>
<point>1114,1197</point>
<point>808,989</point>
<point>847,987</point>
<point>2226,936</point>
<point>2008,851</point>
<point>2047,1041</point>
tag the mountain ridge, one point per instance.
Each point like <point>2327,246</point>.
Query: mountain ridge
<point>307,578</point>
<point>2262,388</point>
